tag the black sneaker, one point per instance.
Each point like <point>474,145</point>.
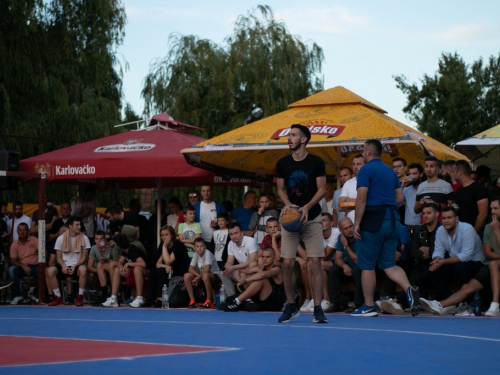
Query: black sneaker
<point>290,312</point>
<point>251,306</point>
<point>319,316</point>
<point>230,305</point>
<point>413,297</point>
<point>48,299</point>
<point>70,300</point>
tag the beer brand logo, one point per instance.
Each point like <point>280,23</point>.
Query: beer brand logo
<point>390,148</point>
<point>43,168</point>
<point>327,130</point>
<point>69,170</point>
<point>131,145</point>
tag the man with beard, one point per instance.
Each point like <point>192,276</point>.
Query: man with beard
<point>345,175</point>
<point>416,172</point>
<point>447,171</point>
<point>301,180</point>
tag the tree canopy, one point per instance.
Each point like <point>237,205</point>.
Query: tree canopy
<point>215,87</point>
<point>459,101</point>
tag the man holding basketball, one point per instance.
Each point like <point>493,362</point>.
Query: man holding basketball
<point>301,182</point>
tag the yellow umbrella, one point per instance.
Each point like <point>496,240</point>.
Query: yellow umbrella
<point>340,122</point>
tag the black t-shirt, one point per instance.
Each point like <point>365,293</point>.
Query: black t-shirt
<point>300,180</point>
<point>467,198</point>
<point>181,264</point>
<point>134,253</point>
<point>129,218</point>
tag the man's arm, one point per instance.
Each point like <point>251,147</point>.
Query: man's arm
<point>398,194</point>
<point>264,274</point>
<point>339,261</point>
<point>482,206</point>
<point>321,186</point>
<point>489,253</point>
<point>83,258</point>
<point>280,187</point>
<point>252,257</point>
<point>360,209</point>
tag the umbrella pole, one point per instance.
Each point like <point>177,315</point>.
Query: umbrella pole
<point>158,209</point>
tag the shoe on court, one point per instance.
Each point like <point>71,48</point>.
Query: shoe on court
<point>365,311</point>
<point>208,305</point>
<point>192,304</point>
<point>433,307</point>
<point>319,316</point>
<point>333,308</point>
<point>48,299</point>
<point>493,311</point>
<point>79,300</point>
<point>325,305</point>
<point>137,302</point>
<point>464,310</point>
<point>413,297</point>
<point>16,300</point>
<point>290,312</point>
<point>230,305</point>
<point>251,306</point>
<point>391,307</point>
<point>111,303</point>
<point>379,305</point>
<point>56,301</point>
<point>306,305</point>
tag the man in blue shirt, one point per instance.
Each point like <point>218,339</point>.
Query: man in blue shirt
<point>377,228</point>
<point>243,214</point>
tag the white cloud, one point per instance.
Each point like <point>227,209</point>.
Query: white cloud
<point>462,33</point>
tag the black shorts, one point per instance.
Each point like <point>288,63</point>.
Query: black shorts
<point>63,276</point>
<point>274,302</point>
<point>483,276</point>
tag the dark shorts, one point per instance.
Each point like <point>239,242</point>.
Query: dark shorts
<point>274,302</point>
<point>483,276</point>
<point>64,276</point>
<point>379,246</point>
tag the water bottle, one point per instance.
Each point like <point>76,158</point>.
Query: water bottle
<point>217,301</point>
<point>477,304</point>
<point>164,297</point>
<point>222,293</point>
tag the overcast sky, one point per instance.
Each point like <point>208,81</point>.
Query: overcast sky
<point>365,42</point>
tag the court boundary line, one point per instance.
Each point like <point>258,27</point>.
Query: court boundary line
<point>423,333</point>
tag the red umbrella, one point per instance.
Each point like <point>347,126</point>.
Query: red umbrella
<point>133,159</point>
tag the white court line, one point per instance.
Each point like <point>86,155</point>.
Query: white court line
<point>326,327</point>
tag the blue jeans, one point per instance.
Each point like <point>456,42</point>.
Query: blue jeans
<point>16,274</point>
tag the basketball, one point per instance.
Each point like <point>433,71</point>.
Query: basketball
<point>291,221</point>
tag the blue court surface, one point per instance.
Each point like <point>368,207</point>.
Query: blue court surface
<point>243,343</point>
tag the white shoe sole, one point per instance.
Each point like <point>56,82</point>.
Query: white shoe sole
<point>388,308</point>
<point>428,308</point>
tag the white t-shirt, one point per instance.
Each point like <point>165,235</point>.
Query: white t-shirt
<point>208,211</point>
<point>335,204</point>
<point>241,253</point>
<point>22,219</point>
<point>71,258</point>
<point>329,206</point>
<point>220,239</point>
<point>350,191</point>
<point>331,242</point>
<point>410,194</point>
<point>201,262</point>
<point>172,220</point>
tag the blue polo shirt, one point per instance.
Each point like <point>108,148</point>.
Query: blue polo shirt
<point>381,182</point>
<point>353,246</point>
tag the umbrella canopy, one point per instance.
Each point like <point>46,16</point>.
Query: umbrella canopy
<point>483,148</point>
<point>340,122</point>
<point>133,159</point>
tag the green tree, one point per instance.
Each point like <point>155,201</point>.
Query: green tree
<point>458,101</point>
<point>215,87</point>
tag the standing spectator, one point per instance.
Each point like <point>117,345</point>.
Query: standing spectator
<point>329,191</point>
<point>175,207</point>
<point>118,218</point>
<point>24,261</point>
<point>259,218</point>
<point>243,214</point>
<point>483,176</point>
<point>410,194</point>
<point>301,180</point>
<point>400,168</point>
<point>190,230</point>
<point>349,190</point>
<point>345,175</point>
<point>18,218</point>
<point>145,234</point>
<point>447,170</point>
<point>377,226</point>
<point>220,240</point>
<point>194,197</point>
<point>50,215</point>
<point>206,213</point>
<point>85,210</point>
<point>471,197</point>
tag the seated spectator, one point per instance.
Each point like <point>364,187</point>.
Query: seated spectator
<point>134,259</point>
<point>421,250</point>
<point>242,253</point>
<point>72,250</point>
<point>54,231</point>
<point>259,218</point>
<point>491,247</point>
<point>131,233</point>
<point>189,230</point>
<point>345,268</point>
<point>264,285</point>
<point>272,239</point>
<point>220,240</point>
<point>172,260</point>
<point>203,268</point>
<point>24,262</point>
<point>99,253</point>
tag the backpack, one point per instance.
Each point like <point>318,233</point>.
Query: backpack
<point>177,294</point>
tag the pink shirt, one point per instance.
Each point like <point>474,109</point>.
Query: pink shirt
<point>26,253</point>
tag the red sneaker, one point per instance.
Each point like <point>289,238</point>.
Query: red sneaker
<point>79,300</point>
<point>192,304</point>
<point>208,305</point>
<point>56,301</point>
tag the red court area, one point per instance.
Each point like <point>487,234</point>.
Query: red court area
<point>55,350</point>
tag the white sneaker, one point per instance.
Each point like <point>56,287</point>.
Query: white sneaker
<point>310,307</point>
<point>379,305</point>
<point>304,307</point>
<point>391,307</point>
<point>16,300</point>
<point>493,311</point>
<point>111,303</point>
<point>137,302</point>
<point>433,307</point>
<point>325,305</point>
<point>464,310</point>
